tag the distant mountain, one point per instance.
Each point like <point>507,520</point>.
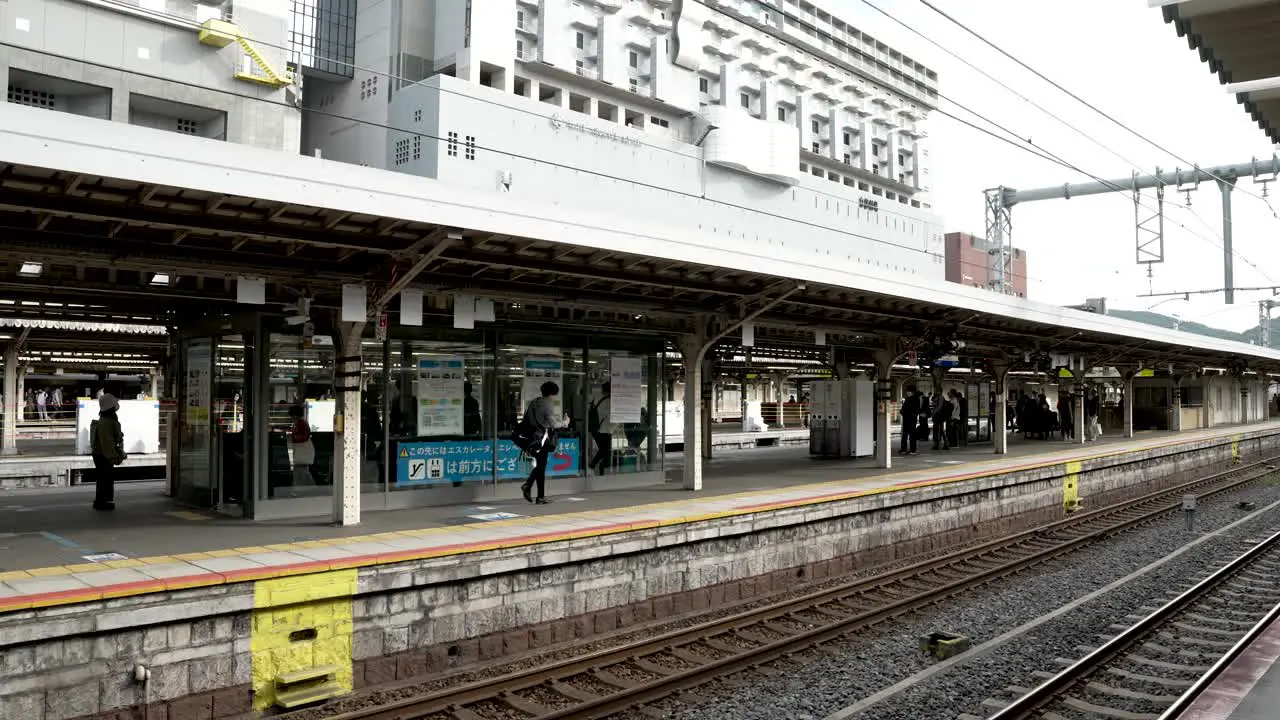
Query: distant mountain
<point>1150,318</point>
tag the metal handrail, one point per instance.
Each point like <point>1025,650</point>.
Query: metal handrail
<point>1187,698</point>
<point>1055,686</point>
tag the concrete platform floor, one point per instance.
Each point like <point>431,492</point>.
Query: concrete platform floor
<point>47,527</point>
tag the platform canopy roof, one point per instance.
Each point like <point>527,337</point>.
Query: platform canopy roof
<point>1240,41</point>
<point>146,220</point>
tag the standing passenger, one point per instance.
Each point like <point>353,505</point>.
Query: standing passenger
<point>910,414</point>
<point>304,451</point>
<point>601,429</point>
<point>106,443</point>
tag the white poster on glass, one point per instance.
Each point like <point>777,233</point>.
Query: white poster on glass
<point>625,390</point>
<point>440,402</point>
<point>539,370</point>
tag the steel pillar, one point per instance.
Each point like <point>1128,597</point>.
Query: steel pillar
<point>999,240</point>
<point>1228,270</point>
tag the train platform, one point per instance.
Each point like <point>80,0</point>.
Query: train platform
<point>1248,688</point>
<point>56,550</point>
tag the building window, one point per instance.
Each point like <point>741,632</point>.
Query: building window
<point>848,159</point>
<point>875,149</point>
<point>520,49</point>
<point>902,159</point>
<point>471,147</point>
<point>660,122</point>
<point>188,127</point>
<point>417,115</point>
<point>704,85</point>
<point>746,101</point>
<point>635,85</point>
<point>33,98</point>
<point>782,114</point>
<point>417,147</point>
<point>848,138</point>
<point>581,41</point>
<point>816,127</point>
<point>634,58</point>
<point>402,152</point>
<point>902,178</point>
<point>452,144</point>
<point>817,148</point>
<point>875,168</point>
<point>520,19</point>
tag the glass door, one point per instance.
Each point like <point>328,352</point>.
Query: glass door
<point>196,484</point>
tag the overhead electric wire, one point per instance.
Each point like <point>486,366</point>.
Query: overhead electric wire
<point>1127,127</point>
<point>1219,243</point>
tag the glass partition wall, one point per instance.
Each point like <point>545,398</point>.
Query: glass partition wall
<point>438,408</point>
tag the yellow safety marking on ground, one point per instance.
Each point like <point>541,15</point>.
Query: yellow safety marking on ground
<point>51,571</point>
<point>193,556</point>
<point>251,549</point>
<point>1235,449</point>
<point>14,575</point>
<point>121,564</point>
<point>299,623</point>
<point>1071,485</point>
<point>186,515</point>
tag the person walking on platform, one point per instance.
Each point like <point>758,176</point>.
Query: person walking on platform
<point>601,430</point>
<point>910,414</point>
<point>541,415</point>
<point>106,443</point>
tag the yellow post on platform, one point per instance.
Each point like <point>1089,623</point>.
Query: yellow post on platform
<point>1071,486</point>
<point>300,623</point>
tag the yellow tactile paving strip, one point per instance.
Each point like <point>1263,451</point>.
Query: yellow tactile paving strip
<point>68,584</point>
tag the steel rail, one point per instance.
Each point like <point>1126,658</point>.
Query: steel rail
<point>1187,698</point>
<point>1055,687</point>
<point>1117,518</point>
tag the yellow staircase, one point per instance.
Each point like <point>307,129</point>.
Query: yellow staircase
<point>221,33</point>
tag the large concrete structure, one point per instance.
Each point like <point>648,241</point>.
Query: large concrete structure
<point>174,65</point>
<point>778,125</point>
<point>968,257</point>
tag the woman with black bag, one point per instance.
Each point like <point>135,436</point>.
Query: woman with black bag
<point>541,426</point>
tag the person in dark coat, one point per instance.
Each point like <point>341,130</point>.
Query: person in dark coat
<point>106,444</point>
<point>941,418</point>
<point>910,413</point>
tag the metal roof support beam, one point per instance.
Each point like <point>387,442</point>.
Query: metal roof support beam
<point>693,349</point>
<point>442,239</point>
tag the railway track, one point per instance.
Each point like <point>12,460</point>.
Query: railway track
<point>614,680</point>
<point>1151,668</point>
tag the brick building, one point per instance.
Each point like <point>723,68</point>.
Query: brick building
<point>966,261</point>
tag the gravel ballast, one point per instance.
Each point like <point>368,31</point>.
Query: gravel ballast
<point>889,654</point>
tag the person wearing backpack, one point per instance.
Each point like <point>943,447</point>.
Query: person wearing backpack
<point>601,430</point>
<point>106,444</point>
<point>540,429</point>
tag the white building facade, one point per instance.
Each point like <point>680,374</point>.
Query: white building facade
<point>772,123</point>
<point>174,65</point>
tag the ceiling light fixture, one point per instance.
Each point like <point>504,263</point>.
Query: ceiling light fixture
<point>31,269</point>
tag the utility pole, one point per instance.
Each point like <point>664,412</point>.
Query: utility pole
<point>1149,231</point>
<point>1264,321</point>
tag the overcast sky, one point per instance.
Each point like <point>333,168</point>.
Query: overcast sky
<point>1123,58</point>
